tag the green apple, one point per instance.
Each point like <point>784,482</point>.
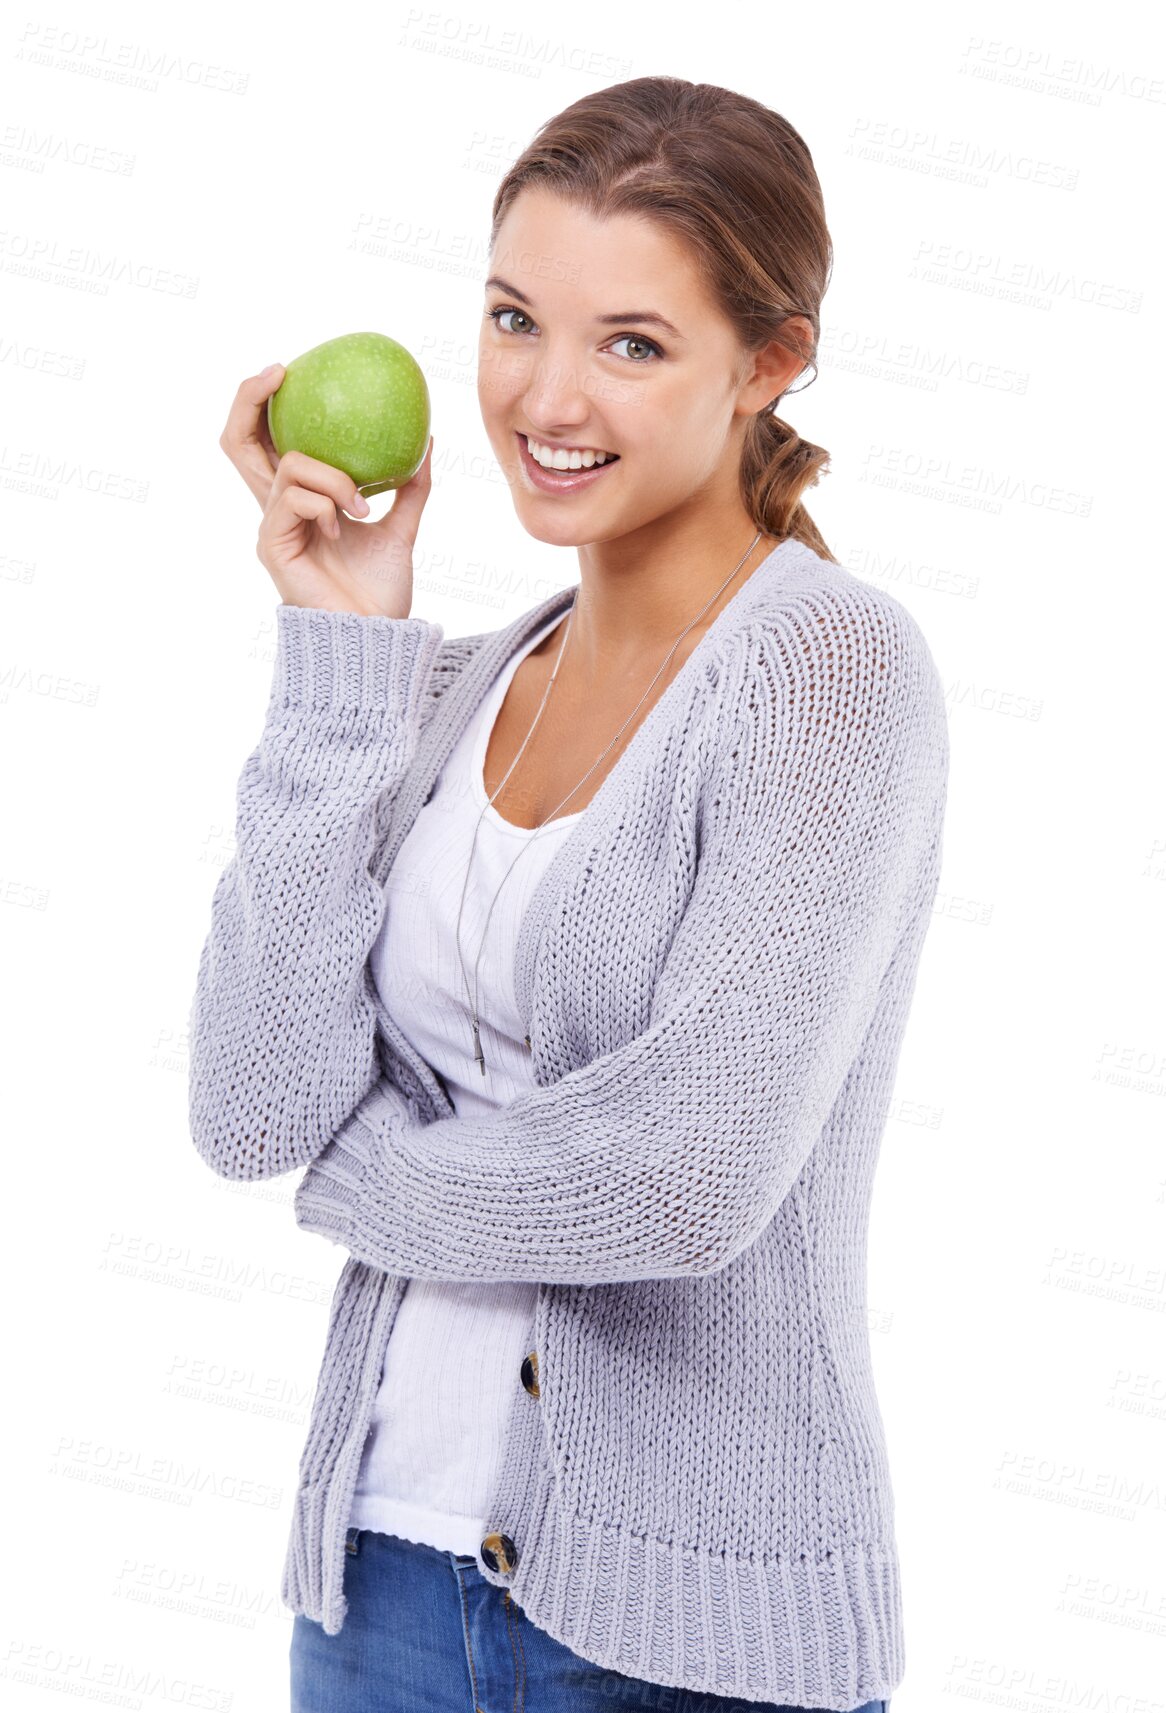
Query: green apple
<point>359,403</point>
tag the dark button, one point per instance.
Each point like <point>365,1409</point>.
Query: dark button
<point>499,1553</point>
<point>529,1372</point>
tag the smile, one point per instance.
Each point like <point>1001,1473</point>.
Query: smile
<point>560,481</point>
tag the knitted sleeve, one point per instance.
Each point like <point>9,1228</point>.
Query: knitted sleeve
<point>282,1024</point>
<point>820,844</point>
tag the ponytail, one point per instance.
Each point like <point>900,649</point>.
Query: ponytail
<point>777,466</point>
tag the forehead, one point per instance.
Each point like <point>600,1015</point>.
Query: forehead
<point>557,252</point>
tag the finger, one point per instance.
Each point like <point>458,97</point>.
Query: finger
<point>292,505</point>
<point>404,517</point>
<point>246,439</point>
<point>305,471</point>
<point>267,442</point>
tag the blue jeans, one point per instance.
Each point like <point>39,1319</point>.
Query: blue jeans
<point>426,1633</point>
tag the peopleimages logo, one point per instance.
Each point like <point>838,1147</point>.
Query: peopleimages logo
<point>1034,284</point>
<point>133,65</point>
<point>979,486</point>
<point>1042,72</point>
<point>906,362</point>
<point>33,255</point>
<point>962,158</point>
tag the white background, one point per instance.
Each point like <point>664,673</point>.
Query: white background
<point>188,196</point>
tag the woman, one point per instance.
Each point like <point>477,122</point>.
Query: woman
<point>573,960</point>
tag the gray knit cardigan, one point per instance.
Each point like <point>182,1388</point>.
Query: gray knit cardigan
<point>716,970</point>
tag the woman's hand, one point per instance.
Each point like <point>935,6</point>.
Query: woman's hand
<point>315,554</point>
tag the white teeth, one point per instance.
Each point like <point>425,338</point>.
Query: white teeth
<point>558,458</point>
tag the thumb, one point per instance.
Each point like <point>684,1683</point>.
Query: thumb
<point>405,512</point>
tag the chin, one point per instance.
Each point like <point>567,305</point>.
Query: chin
<point>563,534</point>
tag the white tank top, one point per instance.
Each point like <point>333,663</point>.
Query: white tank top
<point>453,1358</point>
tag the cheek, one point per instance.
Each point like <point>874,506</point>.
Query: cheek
<point>662,430</point>
<point>694,440</point>
<point>501,379</point>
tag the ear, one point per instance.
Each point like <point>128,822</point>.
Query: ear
<point>770,371</point>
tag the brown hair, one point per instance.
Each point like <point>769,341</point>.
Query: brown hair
<point>736,182</point>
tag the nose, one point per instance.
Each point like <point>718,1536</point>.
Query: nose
<point>558,396</point>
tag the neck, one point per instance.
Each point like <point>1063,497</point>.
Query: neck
<point>636,597</point>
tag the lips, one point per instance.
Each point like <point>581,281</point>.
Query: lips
<point>560,481</point>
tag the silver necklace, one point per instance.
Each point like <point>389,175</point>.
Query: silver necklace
<point>473,997</point>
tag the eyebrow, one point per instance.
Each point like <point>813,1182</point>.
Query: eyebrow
<point>648,316</point>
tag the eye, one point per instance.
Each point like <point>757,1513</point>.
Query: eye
<point>638,339</point>
<point>493,314</point>
<point>649,345</point>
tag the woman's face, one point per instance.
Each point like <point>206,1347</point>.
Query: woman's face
<point>571,357</point>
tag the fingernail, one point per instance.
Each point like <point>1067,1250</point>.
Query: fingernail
<point>359,504</point>
<point>270,370</point>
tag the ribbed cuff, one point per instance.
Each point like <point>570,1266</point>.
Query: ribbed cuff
<point>329,1192</point>
<point>352,660</point>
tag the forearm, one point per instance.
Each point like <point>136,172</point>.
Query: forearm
<point>282,1022</point>
<point>636,1166</point>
